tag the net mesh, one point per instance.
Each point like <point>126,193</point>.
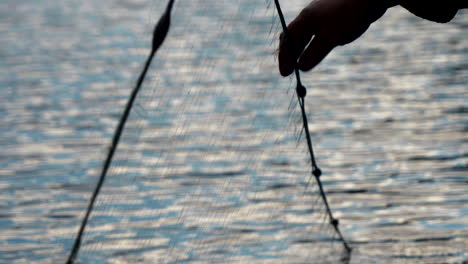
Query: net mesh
<point>212,166</point>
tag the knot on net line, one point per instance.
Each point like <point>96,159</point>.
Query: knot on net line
<point>301,92</point>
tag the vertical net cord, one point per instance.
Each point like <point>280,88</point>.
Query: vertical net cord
<point>159,34</point>
<point>301,93</point>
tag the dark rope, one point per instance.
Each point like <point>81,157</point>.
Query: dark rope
<point>159,34</point>
<point>301,93</point>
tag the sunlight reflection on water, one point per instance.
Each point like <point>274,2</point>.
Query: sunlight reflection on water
<point>388,121</point>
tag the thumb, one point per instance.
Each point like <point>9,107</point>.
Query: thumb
<point>317,50</point>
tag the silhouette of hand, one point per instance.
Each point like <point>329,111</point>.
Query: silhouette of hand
<point>329,23</point>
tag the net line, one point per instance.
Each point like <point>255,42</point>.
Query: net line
<point>160,32</point>
<point>227,183</point>
<point>301,93</point>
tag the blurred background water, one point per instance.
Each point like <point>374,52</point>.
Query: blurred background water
<point>215,129</point>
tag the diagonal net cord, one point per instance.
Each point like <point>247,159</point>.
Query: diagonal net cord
<point>301,93</point>
<point>159,34</point>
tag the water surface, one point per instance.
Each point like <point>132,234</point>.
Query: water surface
<point>211,167</point>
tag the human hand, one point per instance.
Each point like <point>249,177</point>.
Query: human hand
<point>331,23</point>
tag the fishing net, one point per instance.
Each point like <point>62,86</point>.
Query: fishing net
<point>213,165</point>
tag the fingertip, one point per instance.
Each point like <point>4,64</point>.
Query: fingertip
<point>285,66</point>
<point>285,71</point>
<point>285,62</point>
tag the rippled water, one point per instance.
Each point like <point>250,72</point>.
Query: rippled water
<point>211,168</point>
